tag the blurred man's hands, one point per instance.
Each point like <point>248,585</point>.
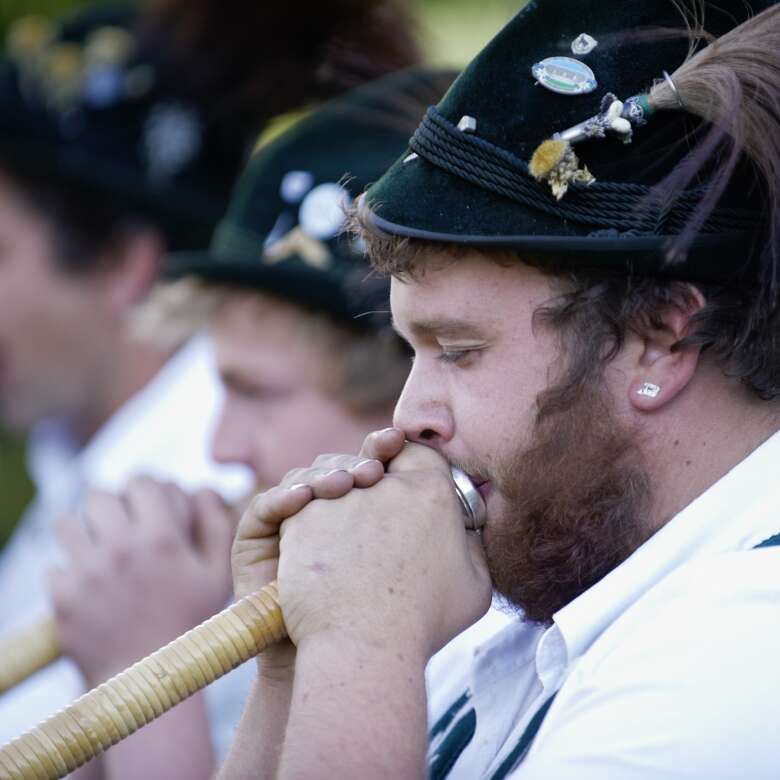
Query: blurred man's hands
<point>142,568</point>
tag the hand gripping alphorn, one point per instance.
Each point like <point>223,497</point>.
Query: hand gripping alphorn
<point>151,687</point>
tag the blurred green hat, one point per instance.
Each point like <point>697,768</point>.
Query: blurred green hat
<point>617,185</point>
<point>283,231</point>
<point>85,103</point>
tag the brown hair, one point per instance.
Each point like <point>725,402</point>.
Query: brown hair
<point>739,325</point>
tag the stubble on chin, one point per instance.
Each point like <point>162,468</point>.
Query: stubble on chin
<point>576,500</point>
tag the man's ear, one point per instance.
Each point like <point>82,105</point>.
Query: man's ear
<point>661,372</point>
<point>133,270</point>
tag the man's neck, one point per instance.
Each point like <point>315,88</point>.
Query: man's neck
<point>715,427</point>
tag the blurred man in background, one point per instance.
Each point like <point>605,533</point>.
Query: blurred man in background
<point>309,363</point>
<point>119,142</point>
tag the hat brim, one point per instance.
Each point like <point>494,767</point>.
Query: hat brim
<point>292,280</point>
<point>440,207</point>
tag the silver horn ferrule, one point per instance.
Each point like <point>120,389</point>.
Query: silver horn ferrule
<point>473,505</point>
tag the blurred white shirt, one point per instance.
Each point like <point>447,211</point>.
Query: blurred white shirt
<point>666,668</point>
<point>164,431</point>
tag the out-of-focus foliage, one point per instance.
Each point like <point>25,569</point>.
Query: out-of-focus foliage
<point>15,487</point>
<point>455,30</point>
<point>12,9</point>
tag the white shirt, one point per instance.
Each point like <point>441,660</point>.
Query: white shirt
<point>669,667</point>
<point>164,431</point>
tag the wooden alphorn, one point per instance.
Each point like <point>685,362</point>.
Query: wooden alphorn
<point>151,687</point>
<point>34,647</point>
<point>26,652</point>
<point>146,690</point>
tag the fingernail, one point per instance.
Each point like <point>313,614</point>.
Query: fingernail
<point>297,486</point>
<point>363,463</point>
<point>333,471</point>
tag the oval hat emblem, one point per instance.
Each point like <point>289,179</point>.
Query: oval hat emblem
<point>565,75</point>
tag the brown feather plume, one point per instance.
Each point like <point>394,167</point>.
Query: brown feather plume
<point>734,84</point>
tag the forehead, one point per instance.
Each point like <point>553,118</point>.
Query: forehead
<point>254,332</point>
<point>468,290</point>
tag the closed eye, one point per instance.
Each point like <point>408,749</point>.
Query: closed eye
<point>252,391</point>
<point>459,357</point>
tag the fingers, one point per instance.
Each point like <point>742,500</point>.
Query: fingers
<point>180,506</point>
<point>269,509</point>
<point>74,538</point>
<point>367,472</point>
<point>383,445</point>
<point>155,507</point>
<point>214,527</point>
<point>333,476</point>
<point>63,593</point>
<point>255,549</point>
<point>333,483</point>
<point>104,515</point>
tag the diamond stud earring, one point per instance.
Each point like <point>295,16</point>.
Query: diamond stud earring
<point>648,389</point>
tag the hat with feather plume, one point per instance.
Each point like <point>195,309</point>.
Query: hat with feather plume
<point>634,136</point>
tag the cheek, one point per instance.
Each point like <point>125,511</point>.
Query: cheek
<point>310,426</point>
<point>22,305</point>
<point>495,408</point>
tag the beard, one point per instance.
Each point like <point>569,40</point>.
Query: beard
<point>575,500</point>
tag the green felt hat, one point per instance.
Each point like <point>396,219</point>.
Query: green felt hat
<point>86,103</point>
<point>283,232</point>
<point>465,177</point>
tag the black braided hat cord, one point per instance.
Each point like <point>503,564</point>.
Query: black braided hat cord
<point>622,206</point>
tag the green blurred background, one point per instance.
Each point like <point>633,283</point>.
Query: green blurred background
<point>452,31</point>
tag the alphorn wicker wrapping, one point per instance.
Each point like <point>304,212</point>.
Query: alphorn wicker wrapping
<point>146,690</point>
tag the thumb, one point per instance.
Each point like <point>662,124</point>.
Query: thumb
<point>382,445</point>
<point>418,457</point>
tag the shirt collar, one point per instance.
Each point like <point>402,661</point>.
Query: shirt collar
<point>738,512</point>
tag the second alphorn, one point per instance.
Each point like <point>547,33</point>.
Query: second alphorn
<point>146,690</point>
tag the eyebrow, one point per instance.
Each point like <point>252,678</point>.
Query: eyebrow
<point>444,327</point>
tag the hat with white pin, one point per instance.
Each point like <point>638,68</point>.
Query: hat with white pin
<point>623,136</point>
<point>284,229</point>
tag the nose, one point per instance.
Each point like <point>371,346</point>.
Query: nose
<point>423,411</point>
<point>231,442</point>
